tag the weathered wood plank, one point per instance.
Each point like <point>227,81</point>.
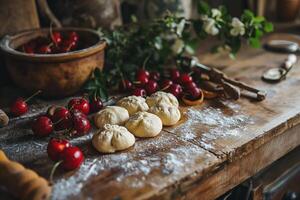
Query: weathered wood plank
<point>140,172</point>
<point>242,168</point>
<point>235,128</point>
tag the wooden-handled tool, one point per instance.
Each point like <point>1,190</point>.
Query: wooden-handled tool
<point>230,86</point>
<point>21,182</point>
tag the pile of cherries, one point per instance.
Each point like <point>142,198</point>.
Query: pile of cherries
<point>72,119</point>
<point>55,42</point>
<point>61,150</point>
<point>175,82</point>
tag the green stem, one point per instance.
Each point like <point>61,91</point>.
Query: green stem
<point>36,93</point>
<point>55,166</point>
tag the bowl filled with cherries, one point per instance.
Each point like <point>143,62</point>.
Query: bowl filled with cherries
<point>56,61</point>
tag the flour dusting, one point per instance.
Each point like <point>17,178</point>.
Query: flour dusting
<point>134,168</point>
<point>212,123</point>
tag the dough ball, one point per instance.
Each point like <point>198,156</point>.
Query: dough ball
<point>111,115</point>
<point>162,98</point>
<point>168,114</point>
<point>144,124</point>
<point>113,138</point>
<point>133,104</point>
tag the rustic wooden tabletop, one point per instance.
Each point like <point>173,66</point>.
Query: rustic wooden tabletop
<point>215,146</point>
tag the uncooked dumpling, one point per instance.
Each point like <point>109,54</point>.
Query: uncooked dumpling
<point>162,98</point>
<point>111,115</point>
<point>133,104</point>
<point>144,124</point>
<point>168,114</point>
<point>113,138</point>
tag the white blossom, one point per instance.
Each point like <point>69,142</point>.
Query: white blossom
<point>238,28</point>
<point>216,13</point>
<point>209,26</point>
<point>177,47</point>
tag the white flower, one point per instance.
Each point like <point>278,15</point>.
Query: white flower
<point>210,26</point>
<point>216,13</point>
<point>180,27</point>
<point>177,47</point>
<point>238,28</point>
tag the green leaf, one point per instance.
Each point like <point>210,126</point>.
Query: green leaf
<point>248,13</point>
<point>268,27</point>
<point>258,33</point>
<point>254,42</point>
<point>103,93</point>
<point>259,19</point>
<point>203,8</point>
<point>191,48</point>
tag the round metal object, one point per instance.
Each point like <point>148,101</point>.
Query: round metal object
<point>273,74</point>
<point>282,46</point>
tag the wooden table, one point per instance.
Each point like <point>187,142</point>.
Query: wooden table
<point>215,147</point>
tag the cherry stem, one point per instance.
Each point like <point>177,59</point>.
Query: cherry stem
<point>36,93</point>
<point>55,123</point>
<point>55,166</point>
<point>51,34</point>
<point>190,73</point>
<point>166,87</point>
<point>145,61</point>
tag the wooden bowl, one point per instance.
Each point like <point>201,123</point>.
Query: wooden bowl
<point>57,75</point>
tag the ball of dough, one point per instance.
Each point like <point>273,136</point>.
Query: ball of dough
<point>144,124</point>
<point>111,115</point>
<point>113,138</point>
<point>168,114</point>
<point>133,104</point>
<point>162,98</point>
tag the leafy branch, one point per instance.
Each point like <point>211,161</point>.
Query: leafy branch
<point>159,42</point>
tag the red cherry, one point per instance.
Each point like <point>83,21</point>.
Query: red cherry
<point>165,84</point>
<point>72,158</point>
<point>125,85</point>
<point>193,93</point>
<point>62,119</point>
<point>42,126</point>
<point>78,113</point>
<point>154,76</point>
<point>68,45</point>
<point>151,87</point>
<point>139,92</point>
<point>56,38</point>
<point>73,36</point>
<point>44,49</point>
<point>175,89</point>
<point>142,72</point>
<point>19,107</point>
<point>28,48</point>
<point>95,105</point>
<point>191,84</point>
<point>81,125</point>
<point>142,80</point>
<point>174,74</point>
<point>185,78</point>
<point>80,104</point>
<point>56,147</point>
